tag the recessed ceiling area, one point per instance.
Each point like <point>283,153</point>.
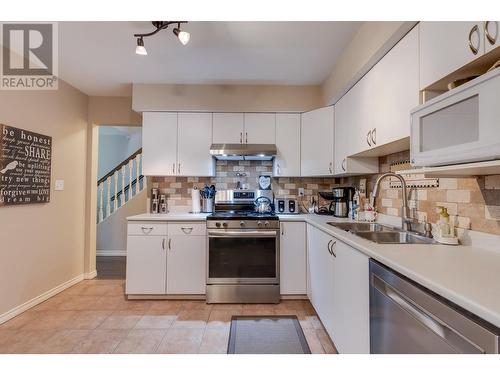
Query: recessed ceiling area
<point>99,58</point>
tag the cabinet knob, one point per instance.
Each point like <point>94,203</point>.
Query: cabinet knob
<point>224,224</point>
<point>242,223</point>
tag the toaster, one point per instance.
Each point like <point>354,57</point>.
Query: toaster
<point>286,206</point>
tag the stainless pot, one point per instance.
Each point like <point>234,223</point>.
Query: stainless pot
<point>263,205</point>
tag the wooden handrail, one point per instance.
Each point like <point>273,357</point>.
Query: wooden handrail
<point>126,188</point>
<point>117,168</point>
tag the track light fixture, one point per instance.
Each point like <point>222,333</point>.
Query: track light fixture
<point>183,36</point>
<point>140,49</point>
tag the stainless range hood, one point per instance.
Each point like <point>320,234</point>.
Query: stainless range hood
<point>237,151</point>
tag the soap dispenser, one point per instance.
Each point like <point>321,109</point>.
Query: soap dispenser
<point>443,222</point>
<point>445,233</point>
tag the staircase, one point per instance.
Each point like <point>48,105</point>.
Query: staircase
<point>119,186</point>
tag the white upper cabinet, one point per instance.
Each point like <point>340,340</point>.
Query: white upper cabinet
<point>491,33</point>
<point>260,128</point>
<point>317,142</point>
<point>352,126</point>
<point>287,162</point>
<point>177,144</point>
<point>447,46</point>
<point>228,128</point>
<point>159,143</point>
<point>395,91</point>
<point>195,138</point>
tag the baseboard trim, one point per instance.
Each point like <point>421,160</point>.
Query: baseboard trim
<point>39,299</point>
<point>90,275</point>
<point>111,253</point>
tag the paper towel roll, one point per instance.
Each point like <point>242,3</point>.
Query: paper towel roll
<point>195,198</point>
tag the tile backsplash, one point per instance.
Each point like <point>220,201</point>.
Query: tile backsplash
<point>178,189</point>
<point>474,203</point>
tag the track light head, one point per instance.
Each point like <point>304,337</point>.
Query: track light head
<point>140,49</point>
<point>183,36</point>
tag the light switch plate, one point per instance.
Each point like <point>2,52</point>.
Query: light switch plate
<point>59,185</point>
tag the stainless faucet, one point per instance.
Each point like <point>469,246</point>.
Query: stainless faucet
<point>406,221</point>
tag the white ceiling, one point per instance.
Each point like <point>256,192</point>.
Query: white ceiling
<point>99,57</point>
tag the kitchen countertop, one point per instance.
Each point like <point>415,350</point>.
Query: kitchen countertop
<point>466,275</point>
<point>171,216</point>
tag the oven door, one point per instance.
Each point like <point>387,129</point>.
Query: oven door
<point>243,257</point>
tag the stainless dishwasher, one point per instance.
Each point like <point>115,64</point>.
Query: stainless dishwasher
<point>407,318</point>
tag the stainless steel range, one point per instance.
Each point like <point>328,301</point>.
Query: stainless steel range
<point>243,249</point>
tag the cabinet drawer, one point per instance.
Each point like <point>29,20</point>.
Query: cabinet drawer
<point>187,229</point>
<point>147,229</point>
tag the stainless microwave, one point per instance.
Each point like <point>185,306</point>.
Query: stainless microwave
<point>460,126</point>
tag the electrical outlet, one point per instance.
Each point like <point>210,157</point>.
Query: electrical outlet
<point>301,192</point>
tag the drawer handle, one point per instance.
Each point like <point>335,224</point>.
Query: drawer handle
<point>147,230</point>
<point>331,247</point>
<point>170,244</point>
<point>368,138</point>
<point>373,136</point>
<point>187,230</point>
<point>473,48</point>
<point>163,244</point>
<point>343,164</point>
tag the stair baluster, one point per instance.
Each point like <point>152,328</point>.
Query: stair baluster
<point>137,164</point>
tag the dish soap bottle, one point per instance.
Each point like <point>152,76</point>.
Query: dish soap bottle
<point>446,235</point>
<point>443,222</point>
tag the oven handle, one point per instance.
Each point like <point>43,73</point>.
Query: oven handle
<point>254,233</point>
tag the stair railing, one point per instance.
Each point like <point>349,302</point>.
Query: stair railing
<point>120,185</point>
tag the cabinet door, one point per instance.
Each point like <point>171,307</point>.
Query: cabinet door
<point>492,35</point>
<point>228,127</point>
<point>194,140</point>
<point>396,92</point>
<point>159,143</point>
<point>287,162</point>
<point>260,128</point>
<point>186,264</point>
<point>351,303</point>
<point>317,142</point>
<point>146,265</point>
<point>321,275</point>
<point>444,47</point>
<point>293,258</point>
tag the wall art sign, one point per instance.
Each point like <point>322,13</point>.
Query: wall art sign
<point>25,161</point>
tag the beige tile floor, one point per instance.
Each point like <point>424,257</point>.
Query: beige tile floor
<point>94,317</point>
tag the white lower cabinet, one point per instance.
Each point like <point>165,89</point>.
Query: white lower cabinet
<point>339,290</point>
<point>351,300</point>
<point>293,258</point>
<point>186,260</point>
<point>146,264</point>
<point>321,275</point>
<point>166,259</point>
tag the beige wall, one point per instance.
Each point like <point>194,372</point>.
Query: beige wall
<point>42,245</point>
<point>372,41</point>
<point>112,110</point>
<point>229,98</point>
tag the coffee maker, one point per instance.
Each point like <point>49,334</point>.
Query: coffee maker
<point>342,196</point>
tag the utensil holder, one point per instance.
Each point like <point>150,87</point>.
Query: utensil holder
<point>207,205</point>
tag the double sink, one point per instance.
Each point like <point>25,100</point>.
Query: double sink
<point>383,234</point>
